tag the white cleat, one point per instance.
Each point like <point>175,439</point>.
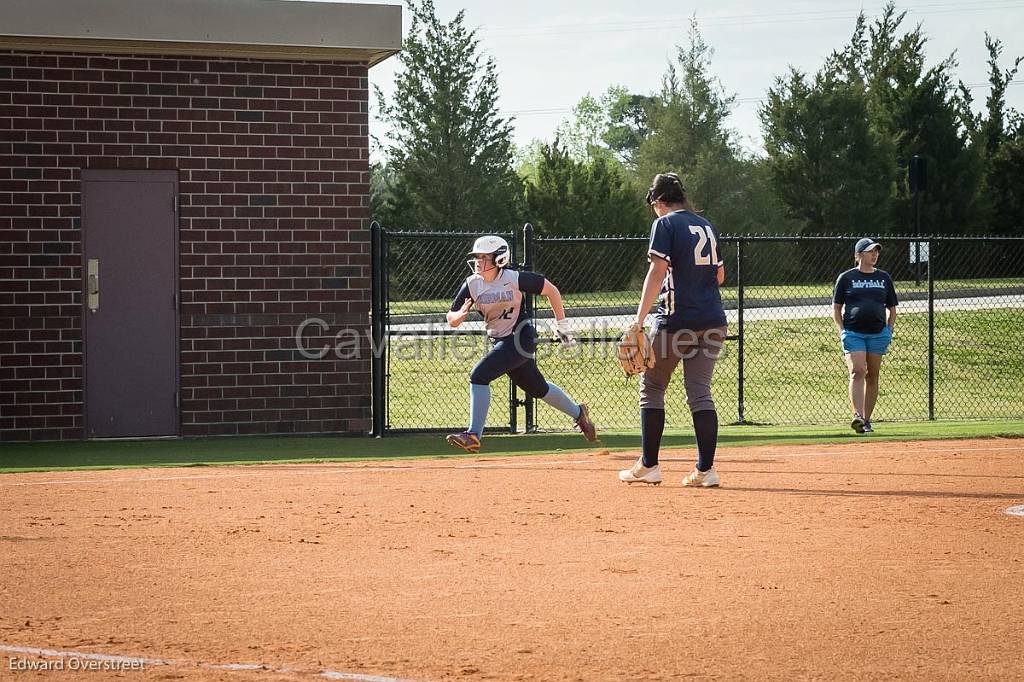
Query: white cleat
<point>705,479</point>
<point>641,474</point>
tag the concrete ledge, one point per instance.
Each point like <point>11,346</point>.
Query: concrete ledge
<point>269,29</point>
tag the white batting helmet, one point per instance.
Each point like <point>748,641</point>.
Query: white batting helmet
<point>494,245</point>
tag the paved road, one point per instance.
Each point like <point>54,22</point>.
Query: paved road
<point>595,324</point>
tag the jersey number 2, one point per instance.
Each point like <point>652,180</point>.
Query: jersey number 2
<point>704,235</point>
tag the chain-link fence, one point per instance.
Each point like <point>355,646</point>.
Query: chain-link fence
<point>958,350</point>
<point>423,364</point>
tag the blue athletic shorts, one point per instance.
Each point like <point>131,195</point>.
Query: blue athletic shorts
<point>870,343</point>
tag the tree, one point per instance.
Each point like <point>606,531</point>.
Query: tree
<point>1007,185</point>
<point>687,118</point>
<point>876,106</point>
<point>684,128</point>
<point>923,112</point>
<point>628,124</point>
<point>581,137</point>
<point>1001,141</point>
<point>389,204</point>
<point>631,136</point>
<point>828,166</point>
<point>994,130</point>
<point>576,185</point>
<point>613,125</point>
<point>571,197</point>
<point>680,128</point>
<point>450,152</point>
<point>576,197</point>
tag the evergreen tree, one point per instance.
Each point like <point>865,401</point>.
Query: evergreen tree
<point>994,129</point>
<point>574,197</point>
<point>687,119</point>
<point>1007,184</point>
<point>828,166</point>
<point>1001,142</point>
<point>684,128</point>
<point>571,197</point>
<point>849,134</point>
<point>923,112</point>
<point>450,152</point>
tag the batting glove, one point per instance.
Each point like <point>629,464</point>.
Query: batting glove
<point>564,333</point>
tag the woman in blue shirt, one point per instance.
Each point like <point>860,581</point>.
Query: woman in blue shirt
<point>864,310</point>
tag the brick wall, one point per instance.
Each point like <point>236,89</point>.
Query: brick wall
<point>273,170</point>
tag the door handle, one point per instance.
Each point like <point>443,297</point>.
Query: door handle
<point>93,284</point>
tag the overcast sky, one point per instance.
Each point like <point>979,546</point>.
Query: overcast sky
<point>550,53</point>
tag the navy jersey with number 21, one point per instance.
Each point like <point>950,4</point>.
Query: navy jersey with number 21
<point>689,295</point>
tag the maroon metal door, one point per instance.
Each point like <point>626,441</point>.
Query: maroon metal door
<point>130,277</point>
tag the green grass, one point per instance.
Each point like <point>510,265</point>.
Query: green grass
<point>794,373</point>
<point>756,292</point>
<point>19,457</point>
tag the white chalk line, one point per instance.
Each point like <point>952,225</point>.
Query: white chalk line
<point>866,448</point>
<point>144,661</point>
<point>266,469</point>
<point>331,468</point>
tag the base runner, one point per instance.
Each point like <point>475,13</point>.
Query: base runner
<point>497,291</point>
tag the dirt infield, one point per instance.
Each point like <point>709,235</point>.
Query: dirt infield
<point>888,560</point>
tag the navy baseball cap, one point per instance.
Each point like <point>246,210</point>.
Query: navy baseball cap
<point>866,244</point>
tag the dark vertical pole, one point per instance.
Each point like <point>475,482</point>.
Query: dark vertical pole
<point>917,233</point>
<point>918,181</point>
<point>528,302</point>
<point>513,399</point>
<point>376,332</point>
<point>385,323</point>
<point>931,332</point>
<point>739,315</point>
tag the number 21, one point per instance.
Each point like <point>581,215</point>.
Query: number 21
<point>704,235</point>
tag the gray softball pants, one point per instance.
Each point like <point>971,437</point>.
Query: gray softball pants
<point>698,351</point>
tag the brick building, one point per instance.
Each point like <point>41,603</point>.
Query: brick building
<point>182,184</point>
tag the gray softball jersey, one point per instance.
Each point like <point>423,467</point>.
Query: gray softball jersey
<point>500,301</point>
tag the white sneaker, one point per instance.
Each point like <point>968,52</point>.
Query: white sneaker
<point>705,479</point>
<point>641,474</point>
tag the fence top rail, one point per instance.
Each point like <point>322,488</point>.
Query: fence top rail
<point>725,237</point>
<point>596,238</point>
<point>879,238</point>
<point>437,234</point>
<point>732,238</point>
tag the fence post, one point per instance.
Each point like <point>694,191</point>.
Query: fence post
<point>530,405</point>
<point>917,241</point>
<point>513,399</point>
<point>931,329</point>
<point>741,417</point>
<point>376,330</point>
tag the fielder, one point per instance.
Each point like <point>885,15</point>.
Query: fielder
<point>691,327</point>
<point>497,293</point>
